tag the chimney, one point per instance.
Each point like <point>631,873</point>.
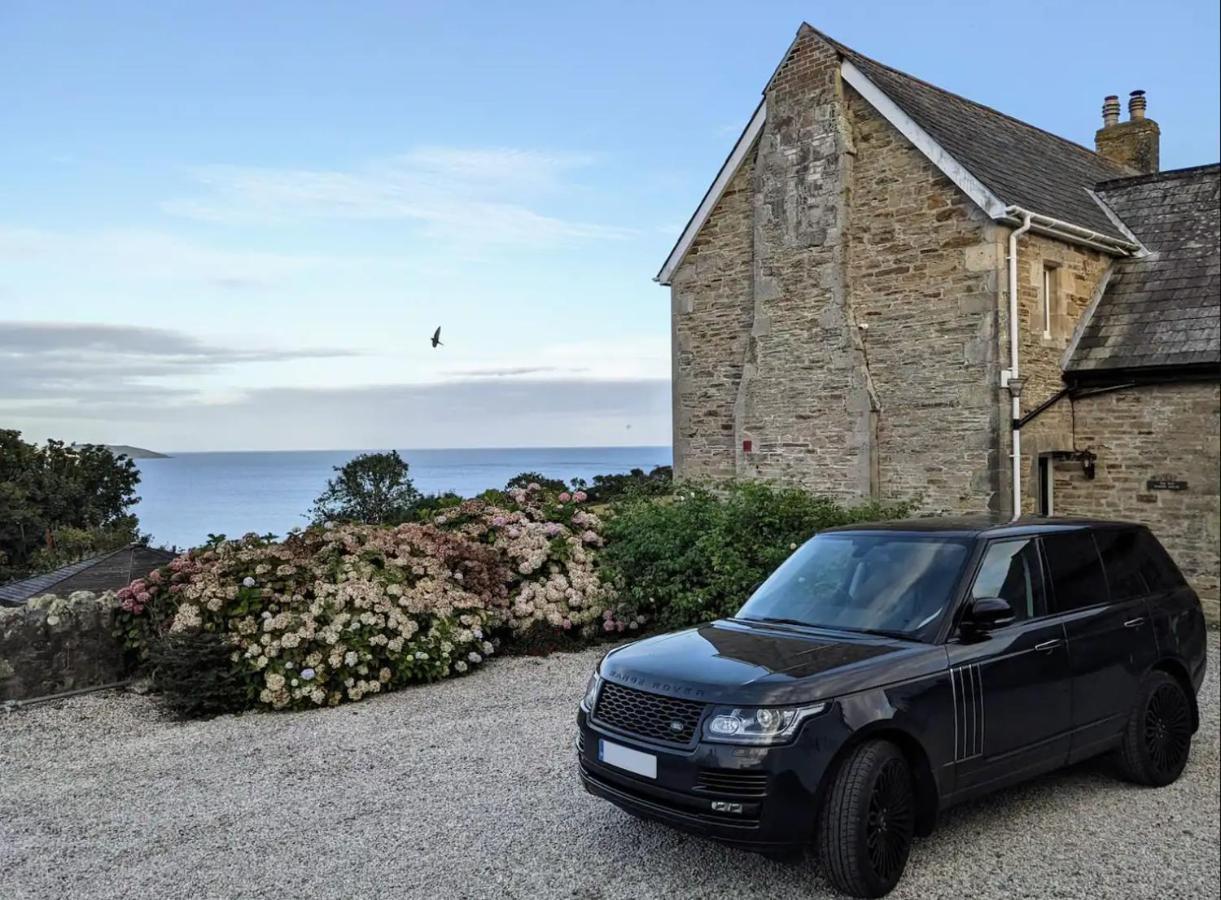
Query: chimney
<point>1134,143</point>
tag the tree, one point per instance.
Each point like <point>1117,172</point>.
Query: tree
<point>60,503</point>
<point>635,483</point>
<point>372,488</point>
<point>525,479</point>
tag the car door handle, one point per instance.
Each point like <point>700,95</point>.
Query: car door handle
<point>1047,646</point>
<point>1134,623</point>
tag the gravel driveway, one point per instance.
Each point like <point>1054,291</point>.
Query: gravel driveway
<point>467,789</point>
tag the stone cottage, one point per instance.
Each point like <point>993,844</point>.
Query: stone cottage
<point>888,289</point>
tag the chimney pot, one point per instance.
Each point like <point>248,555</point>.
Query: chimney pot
<point>1136,105</point>
<point>1134,143</point>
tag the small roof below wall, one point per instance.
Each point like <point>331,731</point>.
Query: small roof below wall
<point>1163,309</point>
<point>107,572</point>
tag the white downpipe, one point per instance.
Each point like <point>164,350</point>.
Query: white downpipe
<point>1014,371</point>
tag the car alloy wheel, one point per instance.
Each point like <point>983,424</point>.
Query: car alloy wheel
<point>889,830</point>
<point>1167,729</point>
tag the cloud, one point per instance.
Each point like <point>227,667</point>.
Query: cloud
<point>476,196</point>
<point>87,366</point>
<point>153,255</point>
<point>512,371</point>
<point>509,413</point>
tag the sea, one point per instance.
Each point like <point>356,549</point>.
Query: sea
<point>187,496</point>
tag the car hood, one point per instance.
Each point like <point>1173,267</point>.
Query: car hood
<point>736,662</point>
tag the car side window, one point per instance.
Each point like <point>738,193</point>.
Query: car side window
<point>1155,564</point>
<point>1122,558</point>
<point>1011,570</point>
<point>1077,577</point>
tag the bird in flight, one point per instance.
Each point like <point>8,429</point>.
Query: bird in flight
<point>436,338</point>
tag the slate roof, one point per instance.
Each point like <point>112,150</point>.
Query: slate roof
<point>1022,165</point>
<point>1163,309</point>
<point>107,572</point>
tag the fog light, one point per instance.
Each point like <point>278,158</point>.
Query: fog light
<point>723,807</point>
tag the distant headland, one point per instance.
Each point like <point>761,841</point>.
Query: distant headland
<point>131,452</point>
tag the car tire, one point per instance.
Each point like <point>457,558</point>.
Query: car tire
<point>1157,739</point>
<point>867,820</point>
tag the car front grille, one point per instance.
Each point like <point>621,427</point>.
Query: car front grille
<point>651,716</point>
<point>729,781</point>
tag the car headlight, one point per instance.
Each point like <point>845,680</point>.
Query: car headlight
<point>757,724</point>
<point>591,692</point>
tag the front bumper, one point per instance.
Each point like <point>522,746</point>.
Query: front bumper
<point>770,791</point>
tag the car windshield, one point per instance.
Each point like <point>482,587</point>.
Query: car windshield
<point>894,584</point>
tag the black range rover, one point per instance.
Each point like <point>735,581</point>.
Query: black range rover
<point>885,672</point>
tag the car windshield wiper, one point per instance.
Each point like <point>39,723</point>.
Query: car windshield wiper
<point>880,632</point>
<point>772,620</point>
<point>884,632</point>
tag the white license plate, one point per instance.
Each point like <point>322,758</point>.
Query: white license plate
<point>627,759</point>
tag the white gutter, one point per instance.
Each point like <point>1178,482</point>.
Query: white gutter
<point>1014,382</point>
<point>1012,377</point>
<point>1068,231</point>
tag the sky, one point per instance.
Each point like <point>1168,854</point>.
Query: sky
<point>230,226</point>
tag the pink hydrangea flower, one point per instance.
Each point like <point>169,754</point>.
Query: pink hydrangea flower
<point>580,496</point>
<point>564,497</point>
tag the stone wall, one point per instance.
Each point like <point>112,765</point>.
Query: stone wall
<point>712,302</point>
<point>1151,432</point>
<point>1079,276</point>
<point>922,271</point>
<point>53,644</point>
<point>836,222</point>
<point>804,403</point>
<point>844,311</point>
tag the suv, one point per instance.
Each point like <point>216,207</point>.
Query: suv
<point>885,672</point>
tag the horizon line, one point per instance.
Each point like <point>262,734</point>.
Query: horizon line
<point>172,453</point>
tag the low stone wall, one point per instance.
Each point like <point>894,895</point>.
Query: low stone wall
<point>55,644</point>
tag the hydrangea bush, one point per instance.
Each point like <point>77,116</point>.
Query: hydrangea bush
<point>334,614</point>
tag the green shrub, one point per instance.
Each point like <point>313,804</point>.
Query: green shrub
<point>195,676</point>
<point>698,555</point>
<point>523,480</point>
<point>611,488</point>
<point>331,615</point>
<point>430,504</point>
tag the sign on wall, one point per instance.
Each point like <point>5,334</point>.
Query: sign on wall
<point>1165,483</point>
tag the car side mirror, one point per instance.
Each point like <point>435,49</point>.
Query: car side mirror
<point>986,613</point>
